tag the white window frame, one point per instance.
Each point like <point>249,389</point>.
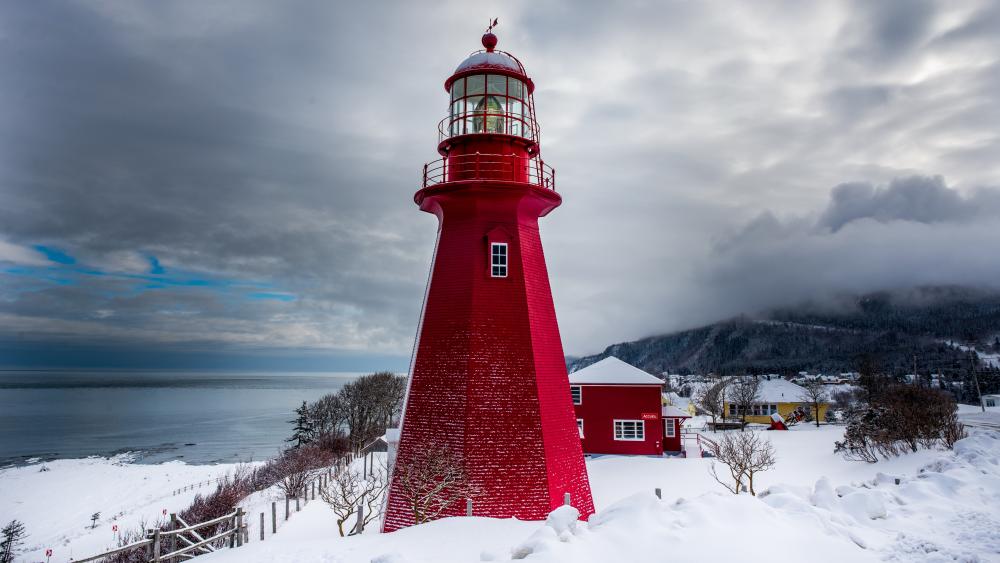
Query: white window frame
<point>499,259</point>
<point>576,394</point>
<point>579,426</point>
<point>671,428</point>
<point>639,427</point>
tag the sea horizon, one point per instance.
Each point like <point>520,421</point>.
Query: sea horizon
<point>196,416</point>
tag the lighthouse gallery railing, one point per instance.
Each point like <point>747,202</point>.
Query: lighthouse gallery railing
<point>501,167</point>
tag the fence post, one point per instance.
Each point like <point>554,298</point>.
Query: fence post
<point>274,517</point>
<point>298,507</point>
<point>156,545</point>
<point>566,499</point>
<point>261,526</point>
<point>468,507</point>
<point>232,535</point>
<point>174,540</point>
<point>239,527</point>
<point>361,517</point>
<point>313,489</point>
<point>659,493</point>
<point>286,507</point>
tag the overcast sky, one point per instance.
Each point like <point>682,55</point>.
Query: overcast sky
<point>229,184</point>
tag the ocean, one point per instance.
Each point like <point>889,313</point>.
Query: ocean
<point>197,417</point>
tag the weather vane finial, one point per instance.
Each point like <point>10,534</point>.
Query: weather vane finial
<point>490,40</point>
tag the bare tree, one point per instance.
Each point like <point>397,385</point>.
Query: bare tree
<point>725,451</point>
<point>711,398</point>
<point>370,404</point>
<point>744,454</point>
<point>299,466</point>
<point>758,455</point>
<point>432,481</point>
<point>814,393</point>
<point>744,393</point>
<point>350,489</point>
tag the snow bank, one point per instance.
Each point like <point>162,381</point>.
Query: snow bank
<point>943,507</point>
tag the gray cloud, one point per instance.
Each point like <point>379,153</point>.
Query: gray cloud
<point>273,148</point>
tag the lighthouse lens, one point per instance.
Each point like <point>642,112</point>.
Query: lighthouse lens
<point>496,84</point>
<point>458,89</point>
<point>475,84</point>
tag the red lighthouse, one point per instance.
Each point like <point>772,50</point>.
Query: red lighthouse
<point>488,378</point>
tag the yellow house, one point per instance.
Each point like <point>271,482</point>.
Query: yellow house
<point>775,395</point>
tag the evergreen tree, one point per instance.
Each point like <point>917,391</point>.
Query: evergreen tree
<point>302,432</point>
<point>11,536</point>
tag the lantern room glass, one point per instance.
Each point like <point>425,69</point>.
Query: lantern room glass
<point>488,103</point>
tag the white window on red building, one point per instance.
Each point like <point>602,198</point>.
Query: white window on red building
<point>579,426</point>
<point>671,431</point>
<point>498,259</point>
<point>576,392</point>
<point>630,430</point>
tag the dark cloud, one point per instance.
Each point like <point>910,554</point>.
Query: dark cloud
<point>264,156</point>
<point>916,198</point>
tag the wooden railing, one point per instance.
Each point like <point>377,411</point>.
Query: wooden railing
<point>156,540</point>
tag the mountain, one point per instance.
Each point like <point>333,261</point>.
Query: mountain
<point>888,328</point>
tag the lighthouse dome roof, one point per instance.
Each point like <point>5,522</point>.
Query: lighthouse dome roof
<point>489,60</point>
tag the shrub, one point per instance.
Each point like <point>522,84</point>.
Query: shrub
<point>900,418</point>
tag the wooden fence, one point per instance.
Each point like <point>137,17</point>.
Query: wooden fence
<point>176,541</point>
<point>182,541</point>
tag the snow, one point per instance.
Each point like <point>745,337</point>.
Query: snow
<point>612,371</point>
<point>780,391</point>
<point>672,411</point>
<point>487,59</point>
<point>56,505</point>
<point>813,505</point>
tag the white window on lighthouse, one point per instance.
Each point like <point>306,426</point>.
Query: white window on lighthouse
<point>498,259</point>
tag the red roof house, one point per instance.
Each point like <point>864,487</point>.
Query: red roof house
<point>618,408</point>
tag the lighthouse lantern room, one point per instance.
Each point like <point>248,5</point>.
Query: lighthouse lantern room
<point>488,383</point>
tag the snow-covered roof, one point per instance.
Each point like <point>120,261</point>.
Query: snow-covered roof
<point>780,391</point>
<point>670,410</point>
<point>488,59</point>
<point>613,371</point>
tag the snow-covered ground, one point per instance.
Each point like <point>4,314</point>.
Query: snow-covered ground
<point>56,504</point>
<point>815,506</point>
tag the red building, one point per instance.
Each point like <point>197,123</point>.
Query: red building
<point>488,378</point>
<point>618,408</point>
<point>673,419</point>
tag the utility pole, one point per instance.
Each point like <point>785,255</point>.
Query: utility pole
<point>975,376</point>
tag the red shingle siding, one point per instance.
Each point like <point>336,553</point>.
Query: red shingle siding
<point>488,376</point>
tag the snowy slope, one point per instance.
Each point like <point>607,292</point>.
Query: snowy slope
<point>818,507</point>
<point>946,507</point>
<point>55,505</point>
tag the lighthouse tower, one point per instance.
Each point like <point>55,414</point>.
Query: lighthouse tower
<point>488,378</point>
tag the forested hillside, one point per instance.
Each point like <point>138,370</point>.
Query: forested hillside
<point>892,330</point>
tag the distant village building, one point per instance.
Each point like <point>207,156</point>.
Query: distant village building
<point>775,395</point>
<point>619,409</point>
<point>991,400</point>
